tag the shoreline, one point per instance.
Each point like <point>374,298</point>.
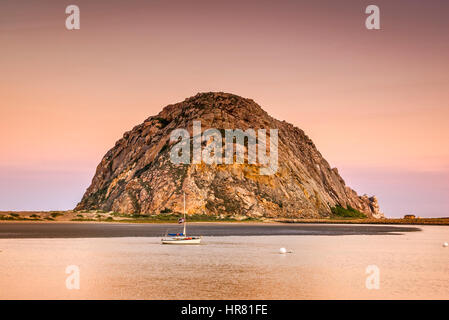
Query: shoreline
<point>266,222</point>
<point>54,217</point>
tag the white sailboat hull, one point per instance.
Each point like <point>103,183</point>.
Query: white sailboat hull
<point>189,240</point>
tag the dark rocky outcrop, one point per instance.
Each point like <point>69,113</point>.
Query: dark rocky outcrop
<point>137,176</point>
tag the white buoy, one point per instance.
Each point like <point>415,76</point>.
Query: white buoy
<point>445,244</point>
<point>282,250</point>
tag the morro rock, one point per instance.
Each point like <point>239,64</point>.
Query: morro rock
<point>137,176</point>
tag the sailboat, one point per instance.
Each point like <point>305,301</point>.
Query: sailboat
<point>181,238</point>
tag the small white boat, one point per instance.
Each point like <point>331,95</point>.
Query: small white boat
<point>181,238</point>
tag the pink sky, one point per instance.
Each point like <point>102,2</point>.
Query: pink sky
<point>376,103</point>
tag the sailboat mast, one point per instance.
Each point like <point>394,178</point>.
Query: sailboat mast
<point>184,232</point>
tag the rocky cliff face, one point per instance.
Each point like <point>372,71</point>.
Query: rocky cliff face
<point>137,175</point>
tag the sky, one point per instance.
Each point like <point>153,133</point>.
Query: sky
<point>375,102</point>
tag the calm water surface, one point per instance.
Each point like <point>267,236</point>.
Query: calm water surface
<point>412,265</point>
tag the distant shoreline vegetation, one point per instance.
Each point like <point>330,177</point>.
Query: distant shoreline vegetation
<point>348,212</point>
<point>339,215</point>
<point>174,217</point>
